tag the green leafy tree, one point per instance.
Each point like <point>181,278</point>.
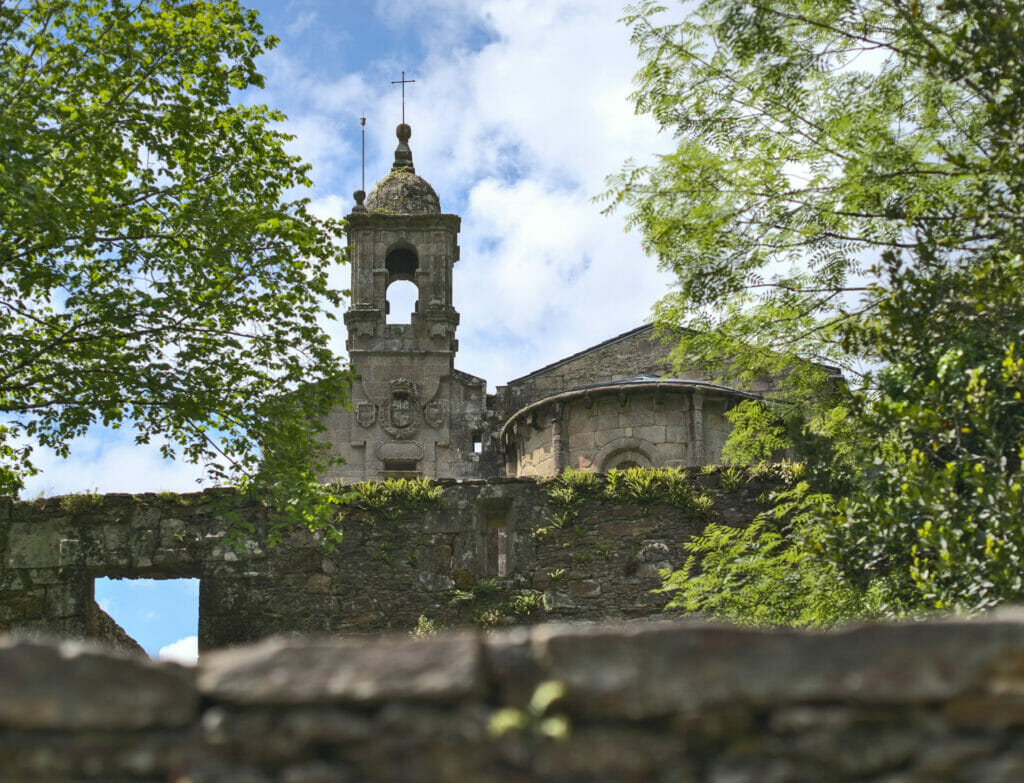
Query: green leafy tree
<point>156,269</point>
<point>846,192</point>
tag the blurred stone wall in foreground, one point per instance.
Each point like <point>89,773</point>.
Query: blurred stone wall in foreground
<point>672,701</point>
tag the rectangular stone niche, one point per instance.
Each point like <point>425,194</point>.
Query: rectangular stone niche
<point>494,518</point>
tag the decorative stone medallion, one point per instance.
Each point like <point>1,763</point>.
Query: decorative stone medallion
<point>366,414</point>
<point>435,414</point>
<point>401,413</point>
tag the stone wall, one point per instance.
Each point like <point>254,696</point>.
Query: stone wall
<point>486,555</point>
<point>645,424</point>
<point>668,702</point>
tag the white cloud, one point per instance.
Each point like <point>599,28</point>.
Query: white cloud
<point>110,461</point>
<point>184,651</point>
<point>303,21</point>
<point>518,136</point>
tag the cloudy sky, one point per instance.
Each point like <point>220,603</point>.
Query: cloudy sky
<point>519,112</point>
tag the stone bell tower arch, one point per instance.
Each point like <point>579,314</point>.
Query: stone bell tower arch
<point>405,390</point>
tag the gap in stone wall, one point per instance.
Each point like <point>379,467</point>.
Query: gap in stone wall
<point>162,615</point>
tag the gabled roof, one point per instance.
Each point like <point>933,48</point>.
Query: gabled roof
<point>584,352</point>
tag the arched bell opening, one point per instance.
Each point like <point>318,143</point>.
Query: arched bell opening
<point>401,302</point>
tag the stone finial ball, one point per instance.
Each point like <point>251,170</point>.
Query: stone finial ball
<point>404,132</point>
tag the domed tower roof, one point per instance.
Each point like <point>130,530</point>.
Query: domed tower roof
<point>402,192</point>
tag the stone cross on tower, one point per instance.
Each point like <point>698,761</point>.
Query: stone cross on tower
<point>404,82</point>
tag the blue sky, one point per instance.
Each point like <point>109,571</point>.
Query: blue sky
<point>519,112</point>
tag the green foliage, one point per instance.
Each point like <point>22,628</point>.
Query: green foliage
<point>486,587</point>
<point>497,608</point>
<point>535,718</point>
<point>942,503</point>
<point>767,573</point>
<point>847,193</point>
<point>391,498</point>
<point>425,628</point>
<point>566,492</point>
<point>156,270</point>
<point>84,501</point>
<point>525,604</point>
<point>646,486</point>
<point>732,478</point>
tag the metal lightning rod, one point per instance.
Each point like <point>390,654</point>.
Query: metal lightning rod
<point>362,122</point>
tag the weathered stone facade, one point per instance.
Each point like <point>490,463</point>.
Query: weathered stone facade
<point>666,702</point>
<point>413,414</point>
<point>639,422</point>
<point>480,555</point>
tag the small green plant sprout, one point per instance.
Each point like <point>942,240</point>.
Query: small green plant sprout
<point>791,472</point>
<point>762,470</point>
<point>383,553</point>
<point>425,627</point>
<point>83,501</point>
<point>541,534</point>
<point>703,505</point>
<point>604,549</point>
<point>581,558</point>
<point>526,604</point>
<point>579,480</point>
<point>556,575</point>
<point>392,497</point>
<point>486,587</point>
<point>174,497</point>
<point>491,617</point>
<point>708,470</point>
<point>731,478</point>
<point>535,718</point>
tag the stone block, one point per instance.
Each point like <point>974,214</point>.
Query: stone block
<point>677,434</point>
<point>319,584</point>
<point>678,666</point>
<point>558,599</point>
<point>586,588</point>
<point>36,544</point>
<point>79,686</point>
<point>313,672</point>
<point>652,434</point>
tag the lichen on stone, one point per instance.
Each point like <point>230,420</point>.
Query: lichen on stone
<point>403,193</point>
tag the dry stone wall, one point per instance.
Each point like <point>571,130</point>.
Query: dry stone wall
<point>487,554</point>
<point>669,702</point>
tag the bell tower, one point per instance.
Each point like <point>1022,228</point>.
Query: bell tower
<point>399,234</point>
<point>404,392</point>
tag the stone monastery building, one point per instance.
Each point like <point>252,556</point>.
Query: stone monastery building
<point>413,414</point>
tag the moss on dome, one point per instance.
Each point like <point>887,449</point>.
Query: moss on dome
<point>403,193</point>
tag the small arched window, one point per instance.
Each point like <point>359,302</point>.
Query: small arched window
<point>625,458</point>
<point>402,300</point>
